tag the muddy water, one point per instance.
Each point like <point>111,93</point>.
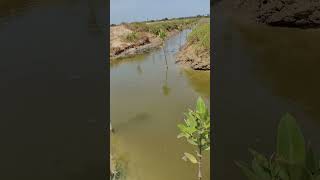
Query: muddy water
<point>260,74</point>
<point>52,90</point>
<point>147,102</point>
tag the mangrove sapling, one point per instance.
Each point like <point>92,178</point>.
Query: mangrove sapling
<point>118,173</point>
<point>292,161</point>
<point>163,35</point>
<point>165,87</point>
<point>196,130</point>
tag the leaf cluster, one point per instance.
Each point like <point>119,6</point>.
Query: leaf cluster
<point>196,129</point>
<point>292,160</point>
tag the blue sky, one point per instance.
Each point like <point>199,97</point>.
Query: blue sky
<point>139,10</point>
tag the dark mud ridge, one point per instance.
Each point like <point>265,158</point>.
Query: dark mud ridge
<point>287,13</point>
<point>190,58</point>
<point>142,46</point>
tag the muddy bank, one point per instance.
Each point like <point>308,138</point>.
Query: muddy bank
<point>190,58</point>
<point>196,52</point>
<point>120,48</point>
<point>285,13</point>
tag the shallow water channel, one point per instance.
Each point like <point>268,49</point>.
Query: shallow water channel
<point>147,102</point>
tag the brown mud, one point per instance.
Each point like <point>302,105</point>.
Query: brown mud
<point>284,13</point>
<point>120,48</point>
<point>190,58</point>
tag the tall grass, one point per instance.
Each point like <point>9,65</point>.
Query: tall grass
<point>162,26</point>
<point>200,37</point>
<point>131,37</point>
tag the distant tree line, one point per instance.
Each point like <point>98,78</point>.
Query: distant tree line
<point>166,19</point>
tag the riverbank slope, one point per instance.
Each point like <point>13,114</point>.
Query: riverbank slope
<point>285,13</point>
<point>196,52</point>
<point>136,38</point>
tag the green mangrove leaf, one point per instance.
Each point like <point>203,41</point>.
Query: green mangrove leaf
<point>191,158</point>
<point>316,173</point>
<point>247,171</point>
<point>261,159</point>
<point>201,106</point>
<point>295,171</point>
<point>317,177</point>
<point>290,141</point>
<point>259,170</point>
<point>283,174</point>
<point>182,127</point>
<point>312,161</point>
<point>181,135</point>
<point>192,142</point>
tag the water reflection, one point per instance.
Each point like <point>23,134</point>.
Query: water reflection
<point>165,88</point>
<point>139,69</point>
<point>199,80</point>
<point>54,51</point>
<point>135,59</point>
<point>288,64</point>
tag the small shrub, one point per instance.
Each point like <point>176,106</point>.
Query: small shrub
<point>132,37</point>
<point>165,26</point>
<point>196,130</point>
<point>200,37</point>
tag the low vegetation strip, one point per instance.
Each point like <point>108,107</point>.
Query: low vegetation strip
<point>200,38</point>
<point>162,26</point>
<point>196,52</point>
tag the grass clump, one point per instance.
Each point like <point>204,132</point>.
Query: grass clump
<point>200,37</point>
<point>131,37</point>
<point>162,26</point>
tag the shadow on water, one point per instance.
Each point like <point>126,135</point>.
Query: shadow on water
<point>287,62</point>
<point>135,59</point>
<point>165,86</point>
<point>52,94</point>
<point>261,73</point>
<point>199,80</point>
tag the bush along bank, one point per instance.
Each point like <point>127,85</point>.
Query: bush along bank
<point>196,52</point>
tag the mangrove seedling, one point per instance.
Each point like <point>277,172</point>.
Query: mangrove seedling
<point>162,34</point>
<point>196,130</point>
<point>292,160</point>
<point>165,87</point>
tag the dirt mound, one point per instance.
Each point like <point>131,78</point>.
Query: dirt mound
<point>119,47</point>
<point>189,57</point>
<point>288,13</point>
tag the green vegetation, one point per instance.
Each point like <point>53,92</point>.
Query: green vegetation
<point>292,160</point>
<point>196,130</point>
<point>118,174</point>
<point>200,37</point>
<point>162,26</point>
<point>162,34</point>
<point>131,37</point>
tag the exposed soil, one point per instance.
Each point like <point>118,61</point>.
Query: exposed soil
<point>287,13</point>
<point>119,48</point>
<point>189,57</point>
